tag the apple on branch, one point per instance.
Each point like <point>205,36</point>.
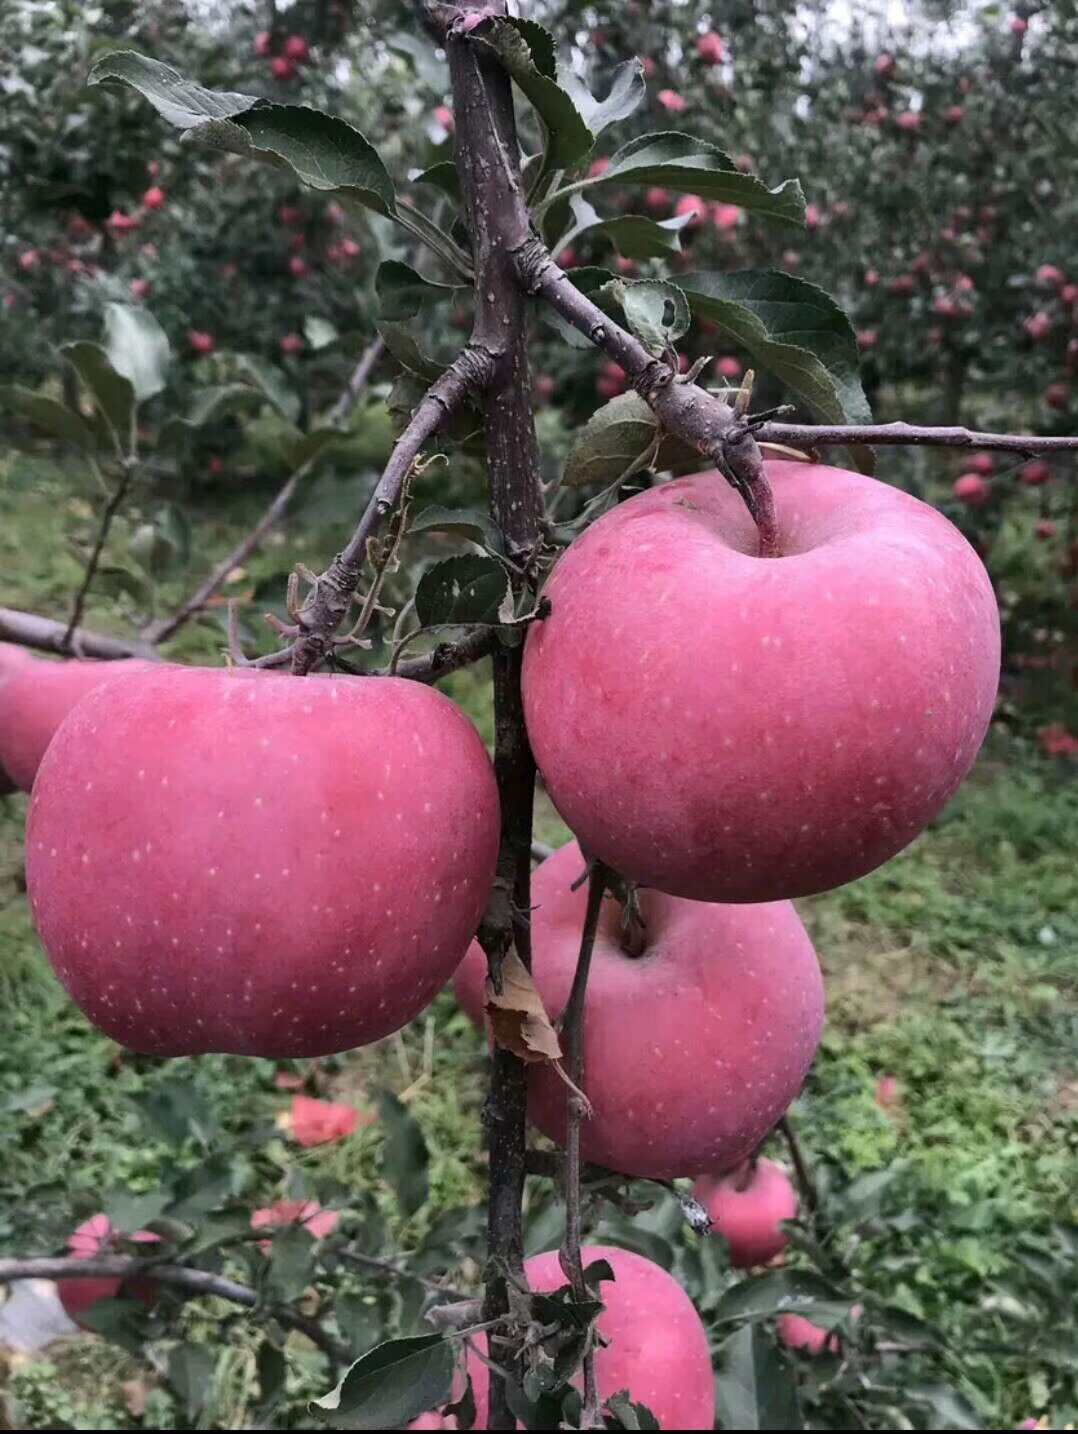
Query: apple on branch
<point>259,864</point>
<point>730,727</point>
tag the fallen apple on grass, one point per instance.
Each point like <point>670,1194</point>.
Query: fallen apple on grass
<point>730,727</point>
<point>259,864</point>
<point>692,1049</point>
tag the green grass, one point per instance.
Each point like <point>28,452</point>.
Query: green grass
<point>953,969</point>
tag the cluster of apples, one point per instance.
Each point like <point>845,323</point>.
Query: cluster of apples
<point>251,863</point>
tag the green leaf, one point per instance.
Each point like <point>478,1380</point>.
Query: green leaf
<point>461,590</point>
<point>526,51</point>
<point>272,1369</point>
<point>405,1158</point>
<point>220,1229</point>
<point>209,406</point>
<point>117,581</point>
<point>319,332</point>
<point>112,393</point>
<point>291,1262</point>
<point>360,1323</point>
<point>270,382</point>
<point>176,1111</point>
<point>405,349</point>
<point>443,176</point>
<point>612,442</point>
<point>678,161</point>
<point>163,544</point>
<point>124,1322</point>
<point>635,236</point>
<point>178,100</point>
<point>793,329</point>
<point>402,292</point>
<point>48,414</point>
<point>137,347</point>
<point>326,153</point>
<point>129,1211</point>
<point>470,523</point>
<point>784,1292</point>
<point>950,1409</point>
<point>634,1416</point>
<point>190,1374</point>
<point>391,1385</point>
<point>755,1388</point>
<point>627,90</point>
<point>656,310</point>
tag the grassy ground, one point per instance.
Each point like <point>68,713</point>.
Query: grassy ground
<point>954,970</point>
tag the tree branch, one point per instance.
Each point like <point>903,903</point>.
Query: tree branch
<point>572,1033</point>
<point>356,384</point>
<point>111,508</point>
<point>45,634</point>
<point>808,435</point>
<point>182,1277</point>
<point>449,657</point>
<point>331,595</point>
<point>488,165</point>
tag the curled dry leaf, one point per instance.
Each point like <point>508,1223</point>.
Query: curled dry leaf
<point>519,1022</point>
<point>518,1017</point>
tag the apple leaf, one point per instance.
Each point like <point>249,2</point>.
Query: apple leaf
<point>209,405</point>
<point>49,415</point>
<point>175,98</point>
<point>526,51</point>
<point>137,347</point>
<point>270,382</point>
<point>792,328</point>
<point>469,589</point>
<point>627,1415</point>
<point>633,235</point>
<point>616,441</point>
<point>755,1388</point>
<point>679,161</point>
<point>443,176</point>
<point>191,1369</point>
<point>113,394</point>
<point>402,292</point>
<point>626,93</point>
<point>405,349</point>
<point>391,1384</point>
<point>405,1158</point>
<point>784,1292</point>
<point>518,1017</point>
<point>319,332</point>
<point>656,310</point>
<point>470,523</point>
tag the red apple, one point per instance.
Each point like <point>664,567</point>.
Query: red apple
<point>36,695</point>
<point>729,727</point>
<point>1045,530</point>
<point>292,344</point>
<point>308,1213</point>
<point>872,278</point>
<point>887,1093</point>
<point>599,167</point>
<point>1048,276</point>
<point>296,48</point>
<point>97,1237</point>
<point>655,1344</point>
<point>796,1332</point>
<point>1035,472</point>
<point>298,268</point>
<point>954,114</point>
<point>982,463</point>
<point>1069,294</point>
<point>201,342</point>
<point>971,489</point>
<point>813,217</point>
<point>1057,395</point>
<point>866,339</point>
<point>154,198</point>
<point>884,66</point>
<point>710,48</point>
<point>657,200</point>
<point>693,1050</point>
<point>692,207</point>
<point>747,1207</point>
<point>726,216</point>
<point>909,121</point>
<point>120,223</point>
<point>1019,26</point>
<point>624,265</point>
<point>444,115</point>
<point>672,102</point>
<point>29,260</point>
<point>263,44</point>
<point>544,386</point>
<point>140,289</point>
<point>283,69</point>
<point>259,864</point>
<point>728,367</point>
<point>1038,326</point>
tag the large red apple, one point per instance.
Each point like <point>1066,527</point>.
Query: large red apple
<point>259,864</point>
<point>692,1050</point>
<point>92,1238</point>
<point>747,1207</point>
<point>656,1346</point>
<point>730,727</point>
<point>35,697</point>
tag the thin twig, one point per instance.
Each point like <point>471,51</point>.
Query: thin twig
<point>356,384</point>
<point>387,1267</point>
<point>111,508</point>
<point>46,634</point>
<point>809,435</point>
<point>182,1277</point>
<point>572,1034</point>
<point>809,1193</point>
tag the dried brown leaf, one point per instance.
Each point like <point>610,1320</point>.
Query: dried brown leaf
<point>518,1017</point>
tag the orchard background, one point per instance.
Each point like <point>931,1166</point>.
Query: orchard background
<point>935,147</point>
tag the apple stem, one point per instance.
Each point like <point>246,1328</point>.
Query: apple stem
<point>633,928</point>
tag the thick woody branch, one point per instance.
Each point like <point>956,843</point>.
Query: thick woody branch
<point>449,657</point>
<point>697,417</point>
<point>45,634</point>
<point>809,435</point>
<point>330,598</point>
<point>182,1277</point>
